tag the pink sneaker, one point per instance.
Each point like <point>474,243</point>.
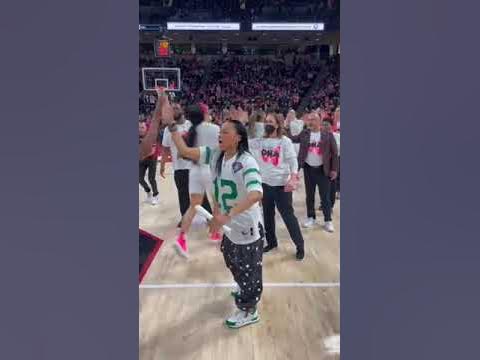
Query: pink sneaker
<point>216,236</point>
<point>181,244</point>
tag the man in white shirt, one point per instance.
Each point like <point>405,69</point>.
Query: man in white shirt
<point>318,157</point>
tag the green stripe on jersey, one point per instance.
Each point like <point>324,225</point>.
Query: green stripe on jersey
<point>252,170</point>
<point>208,155</point>
<point>253,182</point>
<point>216,191</point>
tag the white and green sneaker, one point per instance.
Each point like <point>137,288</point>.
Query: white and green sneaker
<point>242,318</point>
<point>235,291</point>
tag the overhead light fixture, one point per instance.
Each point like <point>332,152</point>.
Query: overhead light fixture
<point>288,26</point>
<point>199,26</point>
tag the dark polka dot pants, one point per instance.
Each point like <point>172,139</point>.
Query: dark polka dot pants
<point>245,264</point>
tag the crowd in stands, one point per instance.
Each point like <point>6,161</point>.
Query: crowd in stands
<point>259,83</point>
<point>328,95</point>
<point>253,83</point>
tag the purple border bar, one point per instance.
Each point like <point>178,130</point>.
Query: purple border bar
<point>410,243</point>
<point>69,201</point>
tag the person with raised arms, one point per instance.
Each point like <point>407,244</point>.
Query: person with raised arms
<point>201,133</point>
<point>237,192</point>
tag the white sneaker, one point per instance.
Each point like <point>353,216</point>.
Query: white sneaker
<point>154,200</point>
<point>149,198</point>
<point>329,227</point>
<point>242,318</point>
<point>309,223</point>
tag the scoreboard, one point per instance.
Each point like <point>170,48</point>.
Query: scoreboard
<point>162,48</point>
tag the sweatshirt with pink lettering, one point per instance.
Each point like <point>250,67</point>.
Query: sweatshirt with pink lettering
<point>276,158</point>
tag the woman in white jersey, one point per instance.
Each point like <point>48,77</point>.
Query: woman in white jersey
<point>238,190</point>
<point>278,163</point>
<point>201,133</point>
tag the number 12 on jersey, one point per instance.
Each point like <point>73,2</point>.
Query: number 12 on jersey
<point>229,193</point>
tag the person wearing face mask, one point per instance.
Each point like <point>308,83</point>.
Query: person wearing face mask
<point>278,164</point>
<point>318,157</point>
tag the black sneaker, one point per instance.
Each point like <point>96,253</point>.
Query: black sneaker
<point>300,255</point>
<point>269,247</point>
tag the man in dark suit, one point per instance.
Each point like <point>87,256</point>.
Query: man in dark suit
<point>318,157</point>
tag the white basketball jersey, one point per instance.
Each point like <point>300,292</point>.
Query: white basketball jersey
<point>238,177</point>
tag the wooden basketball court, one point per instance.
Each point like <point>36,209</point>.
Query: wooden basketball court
<point>184,302</point>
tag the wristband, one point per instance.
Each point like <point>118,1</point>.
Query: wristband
<point>172,127</point>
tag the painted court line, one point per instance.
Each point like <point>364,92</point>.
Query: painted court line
<point>332,344</point>
<point>228,285</point>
